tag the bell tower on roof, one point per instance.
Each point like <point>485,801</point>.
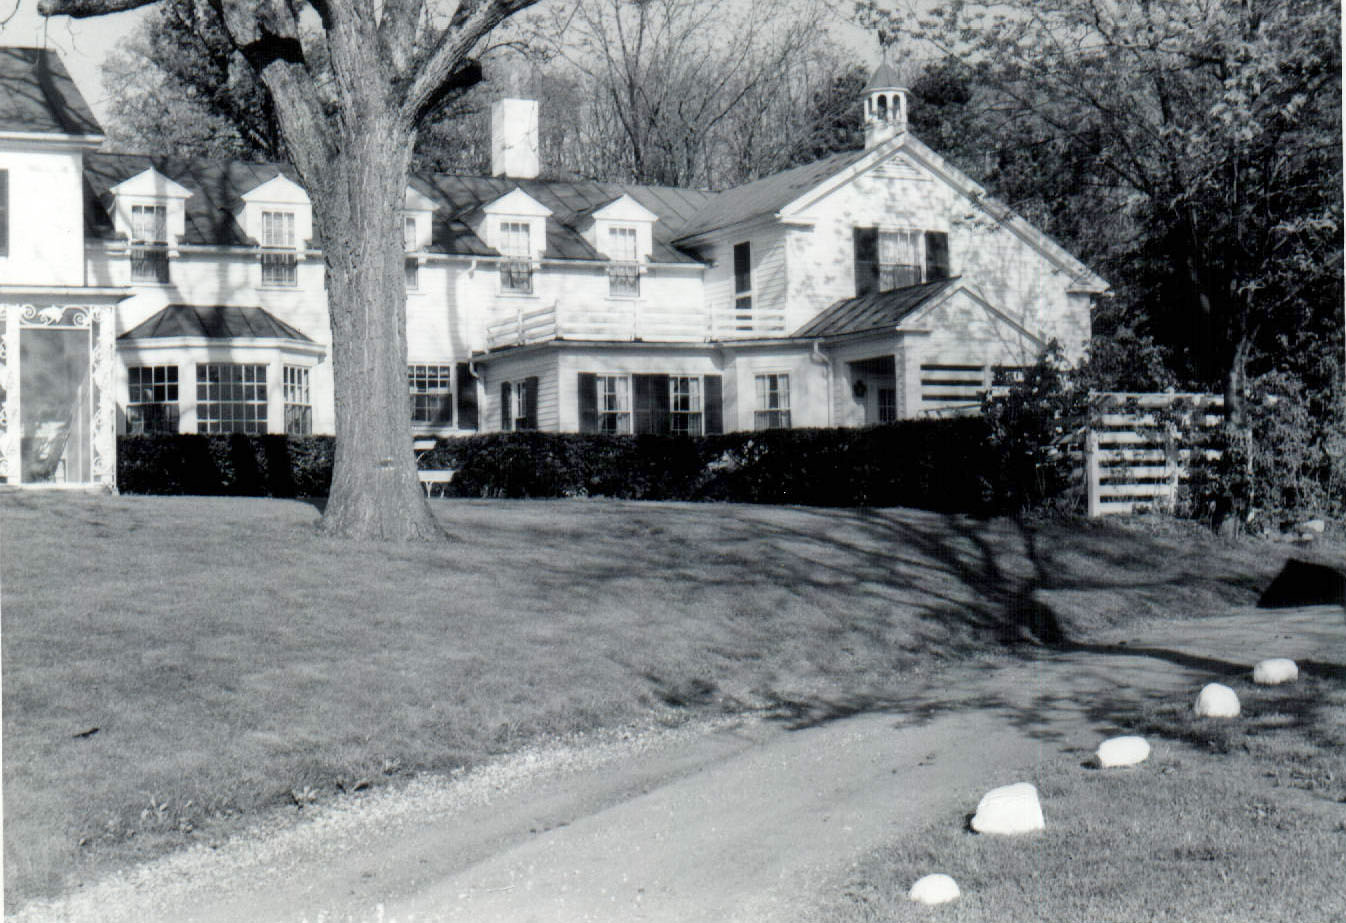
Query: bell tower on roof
<point>885,102</point>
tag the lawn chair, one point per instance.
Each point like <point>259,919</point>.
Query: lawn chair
<point>430,478</point>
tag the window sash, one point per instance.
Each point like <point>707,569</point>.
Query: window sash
<point>516,276</point>
<point>411,273</point>
<point>622,244</point>
<point>514,240</point>
<point>298,407</point>
<point>901,262</point>
<point>152,399</point>
<point>614,403</point>
<point>149,264</point>
<point>887,405</point>
<point>431,388</point>
<point>624,279</point>
<point>149,223</point>
<point>685,405</point>
<point>409,234</point>
<point>773,402</point>
<point>278,229</point>
<point>280,269</point>
<point>231,398</point>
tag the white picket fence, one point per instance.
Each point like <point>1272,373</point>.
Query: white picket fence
<point>1133,458</point>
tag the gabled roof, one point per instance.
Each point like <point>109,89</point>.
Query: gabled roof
<point>37,95</point>
<point>217,188</point>
<point>213,322</point>
<point>766,196</point>
<point>874,311</point>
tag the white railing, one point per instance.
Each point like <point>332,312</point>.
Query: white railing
<point>618,319</point>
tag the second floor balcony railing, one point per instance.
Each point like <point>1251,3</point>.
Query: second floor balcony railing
<point>518,323</point>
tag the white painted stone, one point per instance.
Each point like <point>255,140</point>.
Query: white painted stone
<point>1217,701</point>
<point>1123,751</point>
<point>935,889</point>
<point>1275,671</point>
<point>1009,810</point>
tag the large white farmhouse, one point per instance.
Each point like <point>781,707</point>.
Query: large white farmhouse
<point>874,285</point>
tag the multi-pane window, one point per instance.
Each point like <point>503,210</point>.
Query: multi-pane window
<point>152,399</point>
<point>516,270</point>
<point>685,405</point>
<point>149,243</point>
<point>431,394</point>
<point>743,286</point>
<point>624,273</point>
<point>773,402</point>
<point>900,259</point>
<point>278,266</point>
<point>614,404</point>
<point>298,407</point>
<point>230,398</point>
<point>411,267</point>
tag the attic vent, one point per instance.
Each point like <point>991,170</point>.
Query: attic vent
<point>900,168</point>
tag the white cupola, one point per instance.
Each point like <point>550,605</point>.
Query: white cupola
<point>885,106</point>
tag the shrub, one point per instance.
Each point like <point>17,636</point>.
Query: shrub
<point>945,465</point>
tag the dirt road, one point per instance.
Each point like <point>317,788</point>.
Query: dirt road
<point>747,819</point>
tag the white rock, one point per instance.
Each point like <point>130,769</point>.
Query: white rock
<point>935,889</point>
<point>1217,701</point>
<point>1123,751</point>
<point>1009,809</point>
<point>1313,525</point>
<point>1275,671</point>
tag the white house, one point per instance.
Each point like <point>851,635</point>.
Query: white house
<point>874,285</point>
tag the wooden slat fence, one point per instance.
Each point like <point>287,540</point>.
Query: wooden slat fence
<point>1133,456</point>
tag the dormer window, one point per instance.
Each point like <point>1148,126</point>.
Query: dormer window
<point>624,273</point>
<point>516,270</point>
<point>280,262</point>
<point>149,243</point>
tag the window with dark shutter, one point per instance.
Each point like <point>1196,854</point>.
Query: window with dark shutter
<point>588,395</point>
<point>936,255</point>
<point>467,397</point>
<point>866,260</point>
<point>714,405</point>
<point>506,407</point>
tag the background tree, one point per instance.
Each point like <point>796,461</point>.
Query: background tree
<point>1193,145</point>
<point>350,98</point>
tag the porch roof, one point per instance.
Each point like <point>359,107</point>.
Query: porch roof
<point>873,311</point>
<point>214,322</point>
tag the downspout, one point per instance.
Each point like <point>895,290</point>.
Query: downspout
<point>817,356</point>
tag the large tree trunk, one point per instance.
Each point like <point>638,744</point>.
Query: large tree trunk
<point>375,491</point>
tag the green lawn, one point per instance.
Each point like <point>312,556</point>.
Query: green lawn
<point>230,656</point>
<point>1229,820</point>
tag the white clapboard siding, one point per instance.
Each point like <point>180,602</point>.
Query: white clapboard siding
<point>1128,462</point>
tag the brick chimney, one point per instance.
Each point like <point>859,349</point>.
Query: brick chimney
<point>514,138</point>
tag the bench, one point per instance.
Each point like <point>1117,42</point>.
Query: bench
<point>430,478</point>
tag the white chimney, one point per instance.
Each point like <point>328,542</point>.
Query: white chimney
<point>514,138</point>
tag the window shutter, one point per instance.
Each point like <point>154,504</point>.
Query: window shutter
<point>506,417</point>
<point>588,388</point>
<point>466,386</point>
<point>936,255</point>
<point>650,404</point>
<point>530,402</point>
<point>714,410</point>
<point>866,260</point>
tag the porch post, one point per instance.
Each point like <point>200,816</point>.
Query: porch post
<point>11,469</point>
<point>907,355</point>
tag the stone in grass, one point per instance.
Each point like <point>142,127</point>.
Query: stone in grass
<point>1275,671</point>
<point>1217,701</point>
<point>1009,810</point>
<point>934,889</point>
<point>1123,751</point>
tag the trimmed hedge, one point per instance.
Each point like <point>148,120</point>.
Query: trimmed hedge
<point>943,465</point>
